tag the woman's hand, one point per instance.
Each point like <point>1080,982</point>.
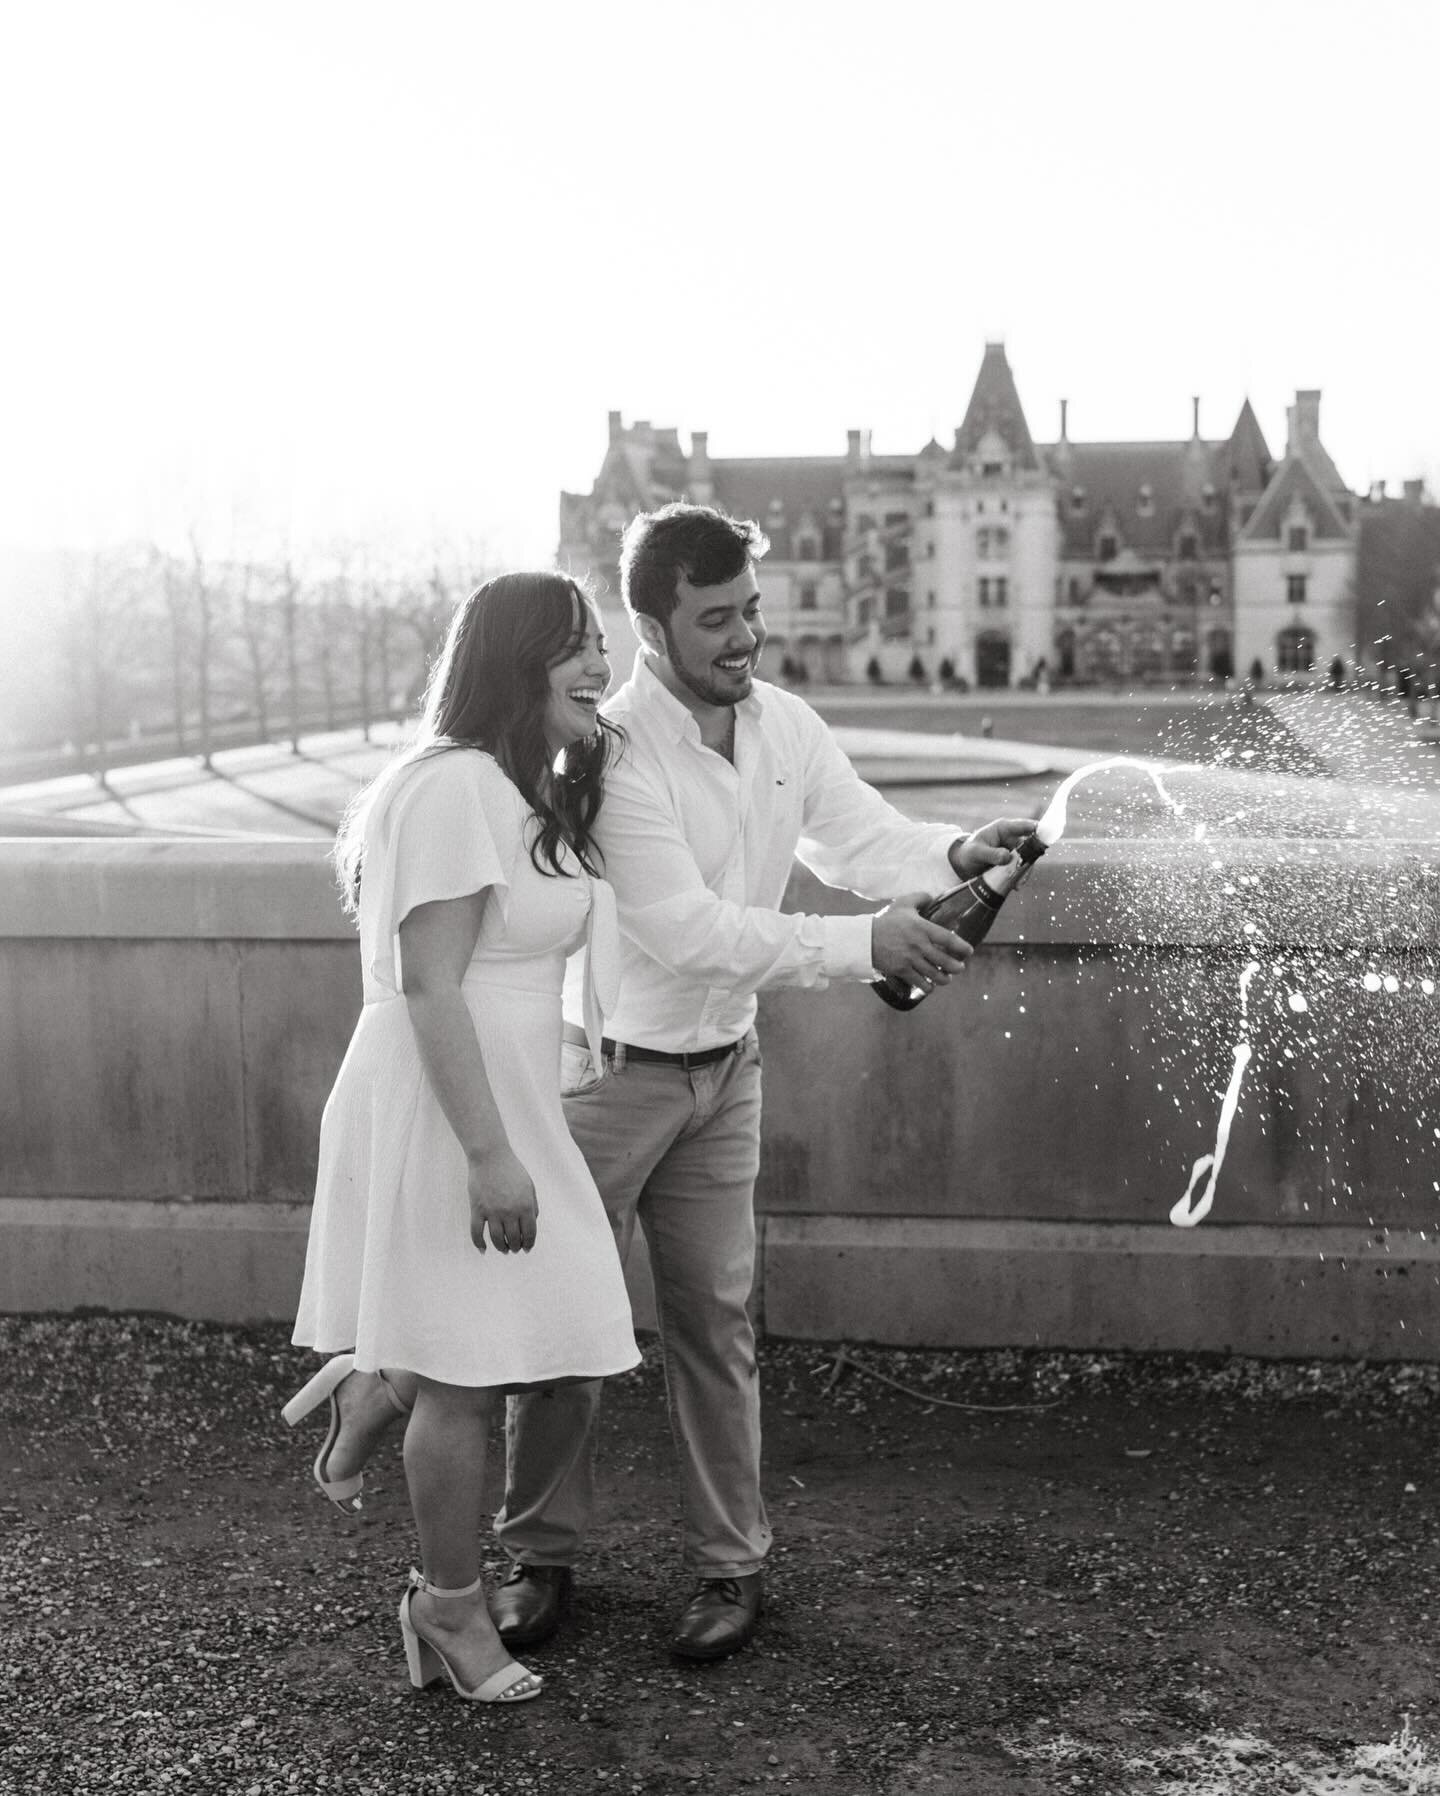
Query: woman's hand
<point>502,1200</point>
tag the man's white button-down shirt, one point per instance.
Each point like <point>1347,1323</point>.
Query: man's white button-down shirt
<point>699,852</point>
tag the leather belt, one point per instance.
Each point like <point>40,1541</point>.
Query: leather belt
<point>656,1056</point>
<point>703,1057</point>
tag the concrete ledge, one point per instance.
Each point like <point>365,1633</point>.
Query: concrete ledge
<point>1272,1292</point>
<point>905,1281</point>
<point>1315,891</point>
<point>215,1262</point>
<point>1311,891</point>
<point>993,1169</point>
<point>248,889</point>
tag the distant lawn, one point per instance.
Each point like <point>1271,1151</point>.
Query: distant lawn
<point>1205,729</point>
<point>1127,726</point>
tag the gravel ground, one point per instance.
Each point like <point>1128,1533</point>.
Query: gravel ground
<point>1127,1575</point>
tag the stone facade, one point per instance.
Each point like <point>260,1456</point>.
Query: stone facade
<point>1001,561</point>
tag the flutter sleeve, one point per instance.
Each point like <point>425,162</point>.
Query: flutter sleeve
<point>449,826</point>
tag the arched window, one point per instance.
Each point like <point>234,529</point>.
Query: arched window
<point>1295,650</point>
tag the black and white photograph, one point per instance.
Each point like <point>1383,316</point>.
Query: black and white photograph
<point>720,898</point>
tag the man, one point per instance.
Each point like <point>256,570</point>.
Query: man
<point>721,784</point>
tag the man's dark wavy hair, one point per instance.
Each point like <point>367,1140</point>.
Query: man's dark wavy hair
<point>488,689</point>
<point>703,544</point>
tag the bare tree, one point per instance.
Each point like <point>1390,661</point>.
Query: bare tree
<point>256,613</point>
<point>105,597</point>
<point>327,623</point>
<point>175,591</point>
<point>365,610</point>
<point>289,621</point>
<point>203,596</point>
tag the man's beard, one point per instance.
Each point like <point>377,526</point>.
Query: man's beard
<point>702,685</point>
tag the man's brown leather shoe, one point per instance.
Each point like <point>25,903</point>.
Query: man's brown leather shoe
<point>719,1619</point>
<point>526,1608</point>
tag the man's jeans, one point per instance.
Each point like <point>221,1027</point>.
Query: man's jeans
<point>680,1150</point>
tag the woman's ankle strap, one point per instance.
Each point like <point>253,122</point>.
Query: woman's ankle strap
<point>419,1582</point>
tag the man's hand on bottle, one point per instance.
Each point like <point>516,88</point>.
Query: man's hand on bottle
<point>911,947</point>
<point>992,846</point>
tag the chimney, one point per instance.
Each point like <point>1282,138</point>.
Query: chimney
<point>1414,491</point>
<point>1064,414</point>
<point>641,429</point>
<point>697,472</point>
<point>1194,414</point>
<point>1303,418</point>
<point>617,427</point>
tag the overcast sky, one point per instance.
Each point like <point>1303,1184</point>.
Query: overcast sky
<point>303,271</point>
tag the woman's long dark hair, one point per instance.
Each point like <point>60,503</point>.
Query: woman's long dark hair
<point>488,689</point>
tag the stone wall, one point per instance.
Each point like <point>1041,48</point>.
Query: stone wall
<point>995,1168</point>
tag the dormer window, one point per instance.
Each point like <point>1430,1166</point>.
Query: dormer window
<point>1107,548</point>
<point>1077,498</point>
<point>1146,506</point>
<point>806,548</point>
<point>1188,546</point>
<point>1208,496</point>
<point>1297,539</point>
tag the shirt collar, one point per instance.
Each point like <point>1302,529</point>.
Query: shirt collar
<point>648,692</point>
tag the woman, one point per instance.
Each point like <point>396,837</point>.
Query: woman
<point>457,1239</point>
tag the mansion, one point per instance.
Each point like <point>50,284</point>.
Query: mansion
<point>1001,560</point>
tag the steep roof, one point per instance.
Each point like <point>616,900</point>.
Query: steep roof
<point>1245,461</point>
<point>1317,458</point>
<point>1296,478</point>
<point>995,405</point>
<point>750,487</point>
<point>1112,478</point>
<point>642,468</point>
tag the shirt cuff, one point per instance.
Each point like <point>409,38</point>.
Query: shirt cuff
<point>847,947</point>
<point>934,870</point>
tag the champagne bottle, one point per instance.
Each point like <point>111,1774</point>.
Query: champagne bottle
<point>968,911</point>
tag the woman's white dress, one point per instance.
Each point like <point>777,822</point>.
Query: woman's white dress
<point>390,1270</point>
